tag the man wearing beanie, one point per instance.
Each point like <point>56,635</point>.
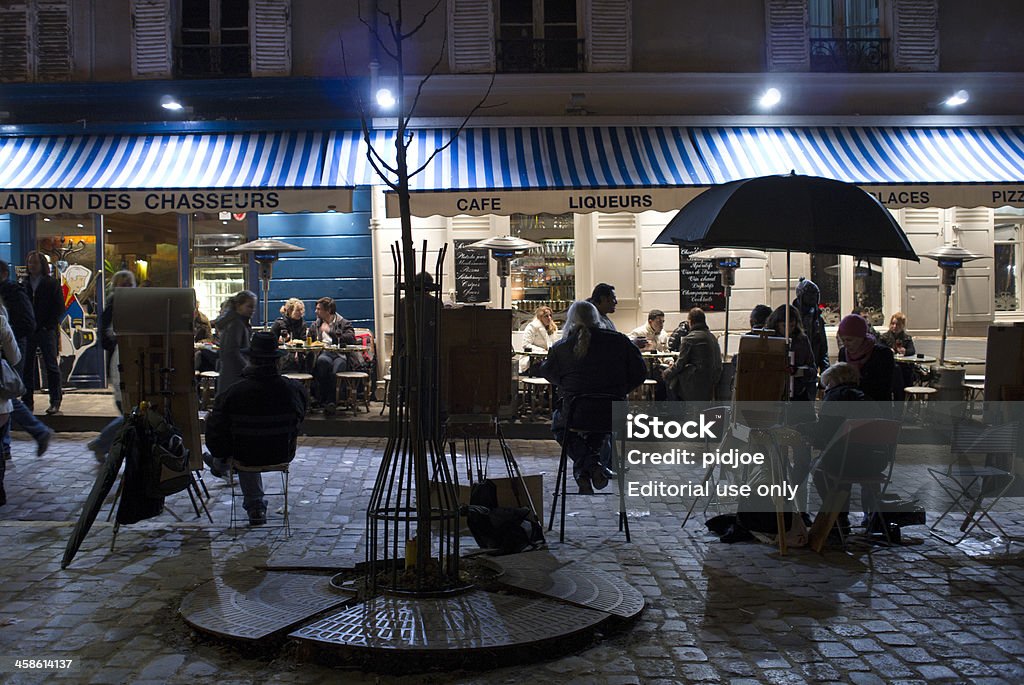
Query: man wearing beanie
<point>873,360</point>
<point>808,299</point>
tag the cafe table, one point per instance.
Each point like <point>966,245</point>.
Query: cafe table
<point>963,361</point>
<point>914,359</point>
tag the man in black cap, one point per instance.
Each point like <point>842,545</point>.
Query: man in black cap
<point>255,422</point>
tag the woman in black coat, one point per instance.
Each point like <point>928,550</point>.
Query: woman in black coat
<point>872,360</point>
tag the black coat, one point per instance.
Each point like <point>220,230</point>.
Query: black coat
<point>878,373</point>
<point>295,328</point>
<point>256,420</point>
<point>47,302</point>
<point>612,365</point>
<point>20,313</point>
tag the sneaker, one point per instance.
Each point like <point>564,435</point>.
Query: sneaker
<point>257,517</point>
<point>53,409</point>
<point>43,443</point>
<point>211,464</point>
<point>584,485</point>
<point>599,477</point>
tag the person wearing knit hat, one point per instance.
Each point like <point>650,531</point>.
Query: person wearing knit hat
<point>873,360</point>
<point>808,301</point>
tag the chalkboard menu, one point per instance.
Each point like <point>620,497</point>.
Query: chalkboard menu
<point>700,284</point>
<point>472,273</point>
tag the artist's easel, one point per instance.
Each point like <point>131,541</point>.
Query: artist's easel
<point>476,390</point>
<point>157,365</point>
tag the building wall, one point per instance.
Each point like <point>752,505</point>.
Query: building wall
<point>337,263</point>
<point>698,36</point>
<point>981,36</point>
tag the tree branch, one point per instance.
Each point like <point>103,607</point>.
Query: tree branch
<point>458,131</point>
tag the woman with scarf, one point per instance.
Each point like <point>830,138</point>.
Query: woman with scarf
<point>872,360</point>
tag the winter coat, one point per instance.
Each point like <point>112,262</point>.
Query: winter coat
<point>903,339</point>
<point>341,332</point>
<point>20,313</point>
<point>47,302</point>
<point>612,365</point>
<point>234,332</point>
<point>257,419</point>
<point>878,374</point>
<point>295,328</point>
<point>805,386</point>
<point>695,373</point>
<point>808,297</point>
<point>11,352</point>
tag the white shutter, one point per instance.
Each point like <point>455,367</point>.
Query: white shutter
<point>916,35</point>
<point>151,38</point>
<point>14,42</point>
<point>609,35</point>
<point>787,35</point>
<point>471,36</point>
<point>270,37</point>
<point>53,41</point>
<point>974,298</point>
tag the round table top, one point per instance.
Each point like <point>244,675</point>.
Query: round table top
<point>658,355</point>
<point>535,353</point>
<point>915,359</point>
<point>322,348</point>
<point>963,361</point>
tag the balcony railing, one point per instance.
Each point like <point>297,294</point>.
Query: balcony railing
<point>850,54</point>
<point>540,56</point>
<point>211,61</point>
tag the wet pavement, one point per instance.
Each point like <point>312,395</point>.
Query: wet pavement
<point>923,612</point>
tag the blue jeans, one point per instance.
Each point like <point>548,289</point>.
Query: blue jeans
<point>251,484</point>
<point>46,342</point>
<point>327,364</point>
<point>21,414</point>
<point>105,440</point>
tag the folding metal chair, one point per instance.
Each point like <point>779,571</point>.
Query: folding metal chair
<point>854,439</point>
<point>588,413</point>
<point>968,484</point>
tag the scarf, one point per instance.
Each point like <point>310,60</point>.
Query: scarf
<point>858,359</point>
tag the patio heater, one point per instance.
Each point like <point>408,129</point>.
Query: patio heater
<point>265,251</point>
<point>727,260</point>
<point>951,259</point>
<point>504,249</point>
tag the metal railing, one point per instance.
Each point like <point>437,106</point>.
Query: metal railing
<point>850,54</point>
<point>540,56</point>
<point>211,61</point>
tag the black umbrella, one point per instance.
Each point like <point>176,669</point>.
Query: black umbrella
<point>100,489</point>
<point>790,213</point>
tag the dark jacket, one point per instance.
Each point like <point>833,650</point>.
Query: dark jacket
<point>891,340</point>
<point>295,328</point>
<point>805,382</point>
<point>20,313</point>
<point>612,365</point>
<point>807,301</point>
<point>257,419</point>
<point>877,374</point>
<point>695,374</point>
<point>342,333</point>
<point>202,329</point>
<point>233,332</point>
<point>47,302</point>
<point>675,340</point>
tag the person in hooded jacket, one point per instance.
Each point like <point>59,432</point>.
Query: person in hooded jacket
<point>234,331</point>
<point>807,302</point>
<point>694,375</point>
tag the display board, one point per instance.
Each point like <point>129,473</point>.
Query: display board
<point>472,273</point>
<point>700,284</point>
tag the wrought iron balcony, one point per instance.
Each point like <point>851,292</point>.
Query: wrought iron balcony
<point>850,54</point>
<point>540,56</point>
<point>211,61</point>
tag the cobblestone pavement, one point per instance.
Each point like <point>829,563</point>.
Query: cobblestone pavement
<point>924,612</point>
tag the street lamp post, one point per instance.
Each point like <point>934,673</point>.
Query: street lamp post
<point>265,251</point>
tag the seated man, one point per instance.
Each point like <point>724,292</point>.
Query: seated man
<point>653,338</point>
<point>256,422</point>
<point>331,328</point>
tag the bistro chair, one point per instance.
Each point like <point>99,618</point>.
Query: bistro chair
<point>588,413</point>
<point>349,385</point>
<point>236,492</point>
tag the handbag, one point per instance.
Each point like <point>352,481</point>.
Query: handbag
<point>11,385</point>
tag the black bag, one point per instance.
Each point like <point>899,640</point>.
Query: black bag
<point>136,503</point>
<point>505,529</point>
<point>168,468</point>
<point>483,497</point>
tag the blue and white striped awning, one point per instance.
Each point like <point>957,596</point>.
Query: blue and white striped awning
<point>127,173</point>
<point>532,169</point>
<point>903,166</point>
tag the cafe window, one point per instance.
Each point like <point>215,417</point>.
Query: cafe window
<point>216,273</point>
<point>846,35</point>
<point>546,275</point>
<point>825,274</point>
<point>213,39</point>
<point>1008,257</point>
<point>539,36</point>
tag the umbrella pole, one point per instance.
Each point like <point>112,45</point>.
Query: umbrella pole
<point>789,345</point>
<point>728,294</point>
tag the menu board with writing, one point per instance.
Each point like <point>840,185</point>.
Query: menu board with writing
<point>700,284</point>
<point>472,273</point>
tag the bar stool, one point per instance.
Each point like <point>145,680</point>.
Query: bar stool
<point>537,393</point>
<point>972,393</point>
<point>305,378</point>
<point>349,383</point>
<point>917,395</point>
<point>207,388</point>
<point>386,381</point>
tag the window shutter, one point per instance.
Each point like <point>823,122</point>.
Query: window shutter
<point>14,42</point>
<point>916,35</point>
<point>270,37</point>
<point>471,42</point>
<point>151,38</point>
<point>53,41</point>
<point>609,35</point>
<point>788,38</point>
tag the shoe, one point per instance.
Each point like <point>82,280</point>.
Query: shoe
<point>210,464</point>
<point>599,477</point>
<point>43,443</point>
<point>584,485</point>
<point>53,409</point>
<point>257,517</point>
<point>330,409</point>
